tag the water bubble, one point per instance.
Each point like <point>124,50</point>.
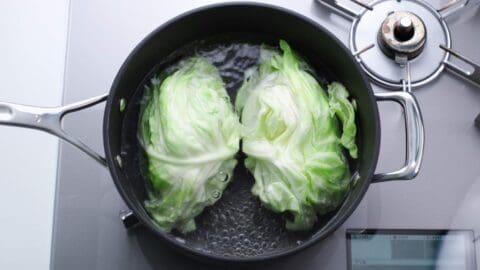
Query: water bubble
<point>222,176</point>
<point>179,239</point>
<point>216,194</point>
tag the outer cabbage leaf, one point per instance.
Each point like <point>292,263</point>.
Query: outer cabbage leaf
<point>190,134</point>
<point>292,138</point>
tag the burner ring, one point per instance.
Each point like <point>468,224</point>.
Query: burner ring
<point>401,35</point>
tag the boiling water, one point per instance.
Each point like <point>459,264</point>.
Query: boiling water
<point>237,225</point>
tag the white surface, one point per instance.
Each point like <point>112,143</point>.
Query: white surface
<point>32,59</point>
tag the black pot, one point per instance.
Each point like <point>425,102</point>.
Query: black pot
<point>324,52</point>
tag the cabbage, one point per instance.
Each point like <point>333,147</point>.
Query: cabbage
<point>292,137</point>
<point>190,135</point>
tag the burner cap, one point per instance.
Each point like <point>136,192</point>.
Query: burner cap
<point>405,30</point>
<point>402,36</point>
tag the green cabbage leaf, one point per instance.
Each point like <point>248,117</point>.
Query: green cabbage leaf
<point>190,134</point>
<point>297,137</point>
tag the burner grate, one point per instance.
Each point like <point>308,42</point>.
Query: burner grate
<point>410,44</point>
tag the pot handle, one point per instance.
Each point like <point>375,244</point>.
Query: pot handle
<point>49,120</point>
<point>414,133</point>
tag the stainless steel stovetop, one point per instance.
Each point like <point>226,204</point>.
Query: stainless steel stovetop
<point>88,233</point>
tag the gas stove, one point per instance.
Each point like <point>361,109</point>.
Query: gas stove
<point>402,45</point>
<point>389,40</point>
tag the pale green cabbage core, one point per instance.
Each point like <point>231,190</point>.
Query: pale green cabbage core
<point>293,139</point>
<point>190,134</point>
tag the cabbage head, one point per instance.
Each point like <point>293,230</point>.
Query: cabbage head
<point>190,135</point>
<point>296,136</point>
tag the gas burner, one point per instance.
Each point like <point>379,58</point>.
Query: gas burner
<point>402,36</point>
<point>402,44</point>
<point>416,42</point>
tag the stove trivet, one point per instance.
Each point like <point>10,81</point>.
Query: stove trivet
<point>402,44</point>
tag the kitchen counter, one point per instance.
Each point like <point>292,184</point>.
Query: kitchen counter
<point>40,67</point>
<point>32,61</point>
